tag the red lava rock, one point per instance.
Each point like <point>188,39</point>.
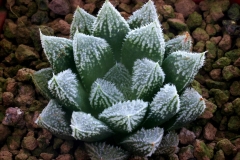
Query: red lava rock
<point>226,146</point>
<point>80,153</point>
<point>210,109</point>
<point>11,86</point>
<point>236,142</point>
<point>47,156</point>
<point>44,138</point>
<point>185,7</point>
<point>26,95</point>
<point>225,43</point>
<point>24,74</point>
<point>216,74</point>
<point>186,136</point>
<point>8,99</point>
<point>14,117</point>
<point>202,151</point>
<point>29,143</point>
<point>5,155</point>
<point>4,132</point>
<point>66,147</point>
<point>64,157</point>
<point>186,153</point>
<point>75,3</point>
<point>61,7</point>
<point>209,132</point>
<point>90,7</point>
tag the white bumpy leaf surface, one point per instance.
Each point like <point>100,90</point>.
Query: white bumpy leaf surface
<point>56,120</point>
<point>169,144</point>
<point>111,26</point>
<point>93,58</point>
<point>66,88</point>
<point>82,22</point>
<point>145,42</point>
<point>164,106</point>
<point>103,151</point>
<point>87,128</point>
<point>58,51</point>
<point>124,116</point>
<point>40,79</point>
<point>143,142</point>
<point>147,78</point>
<point>182,42</point>
<point>104,94</point>
<point>181,67</point>
<point>192,105</point>
<point>143,16</point>
<point>120,76</point>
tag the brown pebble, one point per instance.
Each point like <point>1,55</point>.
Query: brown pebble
<point>186,136</point>
<point>209,132</point>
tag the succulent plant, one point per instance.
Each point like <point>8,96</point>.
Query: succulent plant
<point>116,82</point>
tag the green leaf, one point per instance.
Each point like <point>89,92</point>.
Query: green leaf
<point>169,144</point>
<point>144,42</point>
<point>120,76</point>
<point>182,42</point>
<point>40,79</point>
<point>181,67</point>
<point>98,151</point>
<point>93,58</point>
<point>143,142</point>
<point>111,26</point>
<point>143,16</point>
<point>67,90</point>
<point>87,128</point>
<point>124,116</point>
<point>192,105</point>
<point>56,120</point>
<point>82,22</point>
<point>59,52</point>
<point>147,78</point>
<point>104,94</point>
<point>164,106</point>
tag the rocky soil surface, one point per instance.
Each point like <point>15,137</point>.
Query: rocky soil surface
<point>213,26</point>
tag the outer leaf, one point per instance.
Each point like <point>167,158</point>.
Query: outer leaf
<point>103,151</point>
<point>56,120</point>
<point>111,26</point>
<point>59,52</point>
<point>87,128</point>
<point>40,79</point>
<point>169,144</point>
<point>143,16</point>
<point>124,116</point>
<point>192,105</point>
<point>104,94</point>
<point>164,106</point>
<point>67,89</point>
<point>82,22</point>
<point>182,42</point>
<point>181,67</point>
<point>144,142</point>
<point>144,42</point>
<point>120,76</point>
<point>147,78</point>
<point>93,58</point>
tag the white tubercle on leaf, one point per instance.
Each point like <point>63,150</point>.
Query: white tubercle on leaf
<point>147,78</point>
<point>143,16</point>
<point>144,142</point>
<point>66,88</point>
<point>181,67</point>
<point>145,42</point>
<point>111,26</point>
<point>103,151</point>
<point>124,116</point>
<point>82,21</point>
<point>87,128</point>
<point>104,94</point>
